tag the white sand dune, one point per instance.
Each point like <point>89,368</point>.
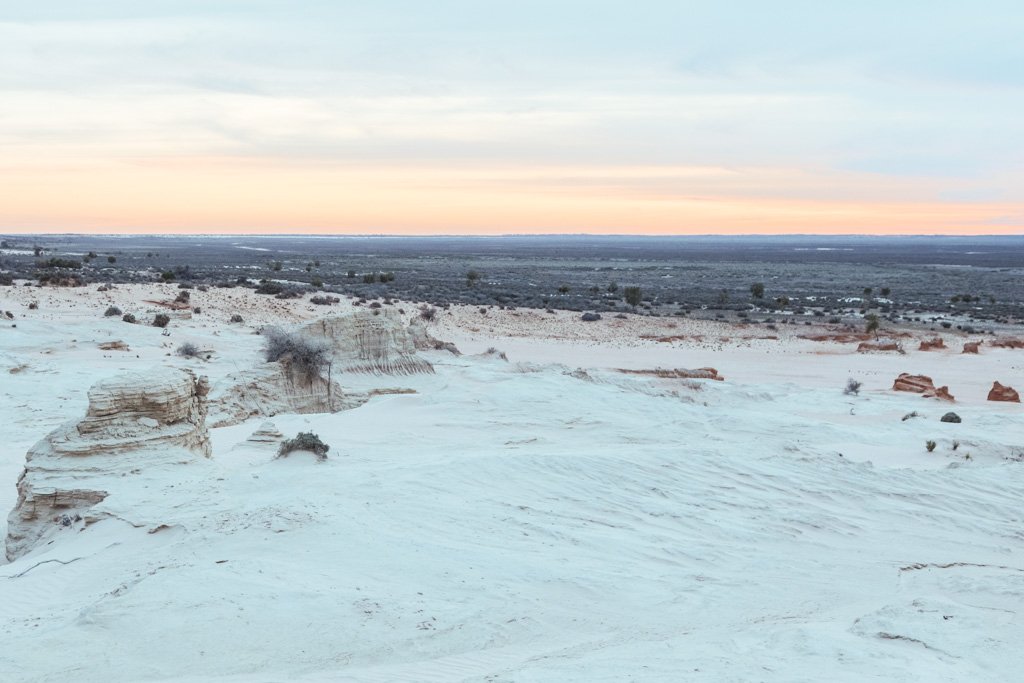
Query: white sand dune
<point>524,521</point>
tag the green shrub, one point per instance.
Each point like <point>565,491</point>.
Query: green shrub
<point>632,295</point>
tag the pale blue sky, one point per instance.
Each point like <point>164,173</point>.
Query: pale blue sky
<point>797,101</point>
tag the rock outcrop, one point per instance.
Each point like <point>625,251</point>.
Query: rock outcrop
<point>371,342</point>
<point>932,344</point>
<point>1000,392</point>
<point>971,347</point>
<point>921,384</point>
<point>868,347</point>
<point>678,373</point>
<point>136,422</point>
<point>270,389</point>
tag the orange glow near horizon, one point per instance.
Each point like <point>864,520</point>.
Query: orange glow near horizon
<point>191,196</point>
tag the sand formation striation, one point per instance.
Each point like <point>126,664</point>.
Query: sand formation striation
<point>370,342</point>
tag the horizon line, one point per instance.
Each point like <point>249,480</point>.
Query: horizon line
<point>504,235</point>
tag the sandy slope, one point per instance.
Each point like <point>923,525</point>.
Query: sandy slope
<point>524,521</point>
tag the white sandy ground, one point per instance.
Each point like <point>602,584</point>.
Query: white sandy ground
<point>523,522</point>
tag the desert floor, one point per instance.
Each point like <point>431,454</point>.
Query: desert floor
<point>544,518</point>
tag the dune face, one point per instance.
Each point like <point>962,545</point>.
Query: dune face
<point>134,420</point>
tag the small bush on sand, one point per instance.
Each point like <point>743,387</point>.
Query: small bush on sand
<point>852,387</point>
<point>929,445</point>
<point>112,311</point>
<point>428,313</point>
<point>188,350</point>
<point>590,317</point>
<point>236,318</point>
<point>305,356</point>
<point>128,318</point>
<point>496,353</point>
<point>161,320</point>
<point>910,416</point>
<point>304,441</point>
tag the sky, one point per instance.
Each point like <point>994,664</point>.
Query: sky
<point>446,117</point>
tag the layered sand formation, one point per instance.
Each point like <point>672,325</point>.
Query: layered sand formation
<point>376,342</point>
<point>271,389</point>
<point>135,421</point>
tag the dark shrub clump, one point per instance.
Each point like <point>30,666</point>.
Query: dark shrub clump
<point>304,355</point>
<point>236,318</point>
<point>112,311</point>
<point>188,350</point>
<point>161,320</point>
<point>304,441</point>
<point>269,288</point>
<point>128,318</point>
